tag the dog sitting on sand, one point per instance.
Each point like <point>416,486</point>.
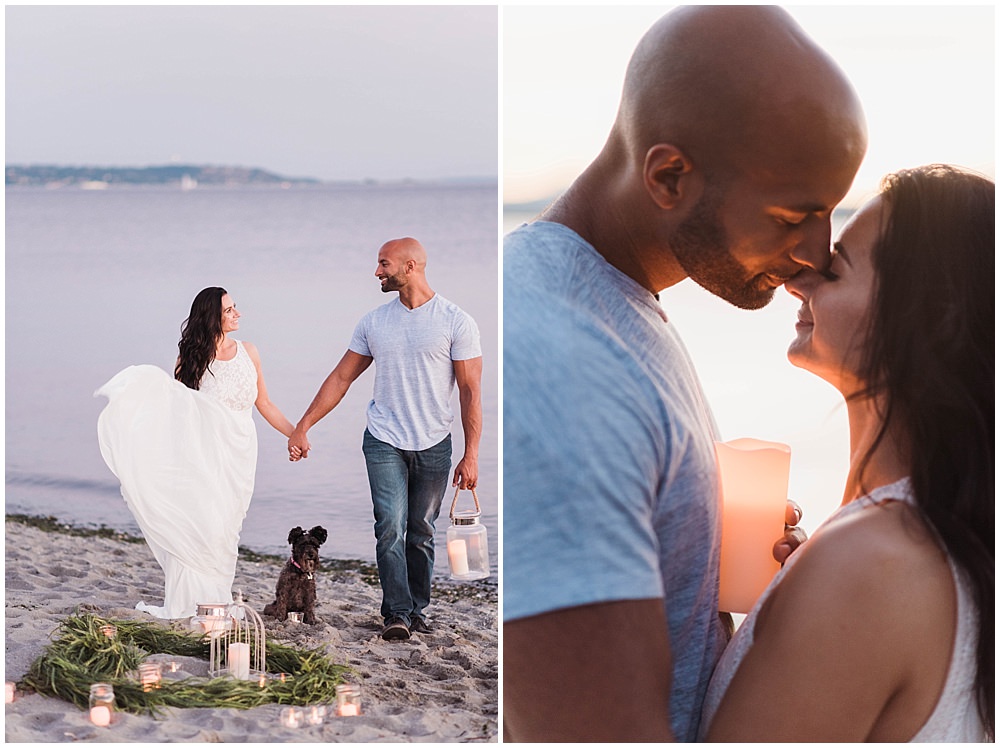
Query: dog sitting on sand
<point>296,588</point>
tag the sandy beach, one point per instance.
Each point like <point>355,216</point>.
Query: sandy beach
<point>437,687</point>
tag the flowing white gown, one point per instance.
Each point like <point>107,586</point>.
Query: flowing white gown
<point>186,460</point>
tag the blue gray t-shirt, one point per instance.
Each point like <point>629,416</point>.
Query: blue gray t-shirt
<point>414,374</point>
<point>610,483</point>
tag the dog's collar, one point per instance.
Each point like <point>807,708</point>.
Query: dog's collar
<point>296,565</point>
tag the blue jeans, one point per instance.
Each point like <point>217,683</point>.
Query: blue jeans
<point>407,489</point>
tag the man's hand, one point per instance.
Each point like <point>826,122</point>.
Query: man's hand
<point>794,535</point>
<point>466,473</point>
<point>298,445</point>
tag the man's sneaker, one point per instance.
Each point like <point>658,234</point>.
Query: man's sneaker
<point>420,626</point>
<point>395,629</point>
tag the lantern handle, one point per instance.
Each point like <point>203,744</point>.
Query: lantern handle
<point>451,514</point>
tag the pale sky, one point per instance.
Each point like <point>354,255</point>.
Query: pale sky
<point>925,75</point>
<point>331,92</point>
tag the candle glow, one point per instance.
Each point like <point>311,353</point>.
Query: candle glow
<point>753,478</point>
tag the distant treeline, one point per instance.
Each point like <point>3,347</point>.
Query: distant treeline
<point>174,173</point>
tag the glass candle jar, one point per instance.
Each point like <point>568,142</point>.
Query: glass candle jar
<point>211,618</point>
<point>348,700</point>
<point>290,716</point>
<point>315,715</point>
<point>468,547</point>
<point>150,675</point>
<point>102,704</point>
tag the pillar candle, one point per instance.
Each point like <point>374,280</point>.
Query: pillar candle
<point>753,477</point>
<point>8,693</point>
<point>458,557</point>
<point>100,716</point>
<point>239,660</point>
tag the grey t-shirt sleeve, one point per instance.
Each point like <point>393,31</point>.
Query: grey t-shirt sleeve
<point>582,455</point>
<point>359,340</point>
<point>465,338</point>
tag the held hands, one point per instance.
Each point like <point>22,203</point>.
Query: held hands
<point>298,446</point>
<point>794,535</point>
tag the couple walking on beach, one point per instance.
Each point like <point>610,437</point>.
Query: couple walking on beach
<point>736,137</point>
<point>185,447</point>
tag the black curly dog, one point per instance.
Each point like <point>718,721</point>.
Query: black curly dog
<point>296,588</point>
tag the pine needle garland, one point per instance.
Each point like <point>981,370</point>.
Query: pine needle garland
<point>81,654</point>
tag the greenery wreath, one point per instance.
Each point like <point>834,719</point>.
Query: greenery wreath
<point>80,655</point>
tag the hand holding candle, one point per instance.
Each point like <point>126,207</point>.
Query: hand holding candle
<point>753,478</point>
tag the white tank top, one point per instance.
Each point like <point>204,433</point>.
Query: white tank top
<point>232,383</point>
<point>955,718</point>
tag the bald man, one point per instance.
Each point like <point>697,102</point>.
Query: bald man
<point>735,138</point>
<point>423,346</point>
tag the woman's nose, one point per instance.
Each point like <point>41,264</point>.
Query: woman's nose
<point>802,283</point>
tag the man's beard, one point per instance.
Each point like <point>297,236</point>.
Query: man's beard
<point>701,247</point>
<point>392,283</point>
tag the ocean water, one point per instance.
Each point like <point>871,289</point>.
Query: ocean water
<point>753,390</point>
<point>99,280</point>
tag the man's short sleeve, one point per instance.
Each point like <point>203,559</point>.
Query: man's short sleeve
<point>465,338</point>
<point>359,340</point>
<point>582,456</point>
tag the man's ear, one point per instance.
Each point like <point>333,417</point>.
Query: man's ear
<point>670,176</point>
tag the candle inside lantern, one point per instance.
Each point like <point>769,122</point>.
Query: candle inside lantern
<point>290,716</point>
<point>458,556</point>
<point>753,477</point>
<point>150,675</point>
<point>239,660</point>
<point>295,617</point>
<point>8,693</point>
<point>348,700</point>
<point>262,680</point>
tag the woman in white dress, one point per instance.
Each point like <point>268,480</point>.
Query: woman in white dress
<point>881,626</point>
<point>185,451</point>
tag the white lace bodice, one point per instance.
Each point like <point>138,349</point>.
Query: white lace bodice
<point>955,718</point>
<point>232,383</point>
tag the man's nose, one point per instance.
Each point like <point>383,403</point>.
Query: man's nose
<point>814,249</point>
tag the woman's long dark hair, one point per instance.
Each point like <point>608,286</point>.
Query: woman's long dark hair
<point>200,334</point>
<point>930,362</point>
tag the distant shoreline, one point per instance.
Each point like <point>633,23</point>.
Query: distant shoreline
<point>189,177</point>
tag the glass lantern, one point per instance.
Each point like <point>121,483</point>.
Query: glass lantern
<point>211,618</point>
<point>236,639</point>
<point>348,700</point>
<point>102,704</point>
<point>468,548</point>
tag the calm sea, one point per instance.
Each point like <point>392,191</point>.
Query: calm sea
<point>754,391</point>
<point>99,280</point>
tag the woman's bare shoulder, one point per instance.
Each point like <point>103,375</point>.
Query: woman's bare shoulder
<point>880,563</point>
